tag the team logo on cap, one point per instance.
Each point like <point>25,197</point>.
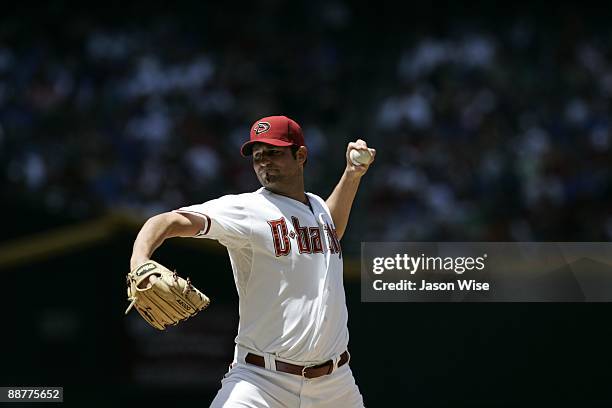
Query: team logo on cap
<point>261,127</point>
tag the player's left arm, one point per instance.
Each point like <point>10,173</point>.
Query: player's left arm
<point>341,199</point>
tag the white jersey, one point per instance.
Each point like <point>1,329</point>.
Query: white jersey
<point>287,265</point>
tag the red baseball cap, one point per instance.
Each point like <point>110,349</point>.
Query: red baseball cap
<point>274,130</point>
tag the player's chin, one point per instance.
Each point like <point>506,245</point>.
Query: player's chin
<point>266,180</point>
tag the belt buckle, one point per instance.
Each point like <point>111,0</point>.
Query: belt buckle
<point>305,368</point>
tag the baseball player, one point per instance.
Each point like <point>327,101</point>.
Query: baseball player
<point>284,247</point>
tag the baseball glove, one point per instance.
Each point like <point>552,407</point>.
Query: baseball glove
<point>163,301</point>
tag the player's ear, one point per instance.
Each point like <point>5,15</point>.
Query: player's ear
<point>301,155</point>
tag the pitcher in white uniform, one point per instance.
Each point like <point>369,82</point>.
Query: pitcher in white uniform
<point>284,247</point>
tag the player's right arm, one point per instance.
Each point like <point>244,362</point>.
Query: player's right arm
<point>159,228</point>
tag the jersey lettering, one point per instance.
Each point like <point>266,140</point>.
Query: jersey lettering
<point>280,236</point>
<point>315,237</point>
<point>302,237</point>
<point>332,239</point>
<point>309,239</point>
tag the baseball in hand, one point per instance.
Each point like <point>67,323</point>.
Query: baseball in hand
<point>359,157</point>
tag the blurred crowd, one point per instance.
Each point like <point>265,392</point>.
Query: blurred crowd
<point>499,135</point>
<point>483,132</point>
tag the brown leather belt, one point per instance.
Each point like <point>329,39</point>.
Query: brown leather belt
<point>306,371</point>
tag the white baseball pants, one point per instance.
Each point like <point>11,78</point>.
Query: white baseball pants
<point>248,386</point>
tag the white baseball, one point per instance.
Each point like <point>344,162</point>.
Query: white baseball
<point>359,157</point>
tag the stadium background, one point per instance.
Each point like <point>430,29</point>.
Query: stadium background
<point>491,123</point>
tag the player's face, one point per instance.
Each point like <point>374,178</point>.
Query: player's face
<point>275,166</point>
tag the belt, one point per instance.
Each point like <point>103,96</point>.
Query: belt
<point>306,371</point>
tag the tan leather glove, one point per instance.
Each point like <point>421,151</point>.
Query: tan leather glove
<point>161,296</point>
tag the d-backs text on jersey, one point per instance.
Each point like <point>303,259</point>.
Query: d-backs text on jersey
<point>309,239</point>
